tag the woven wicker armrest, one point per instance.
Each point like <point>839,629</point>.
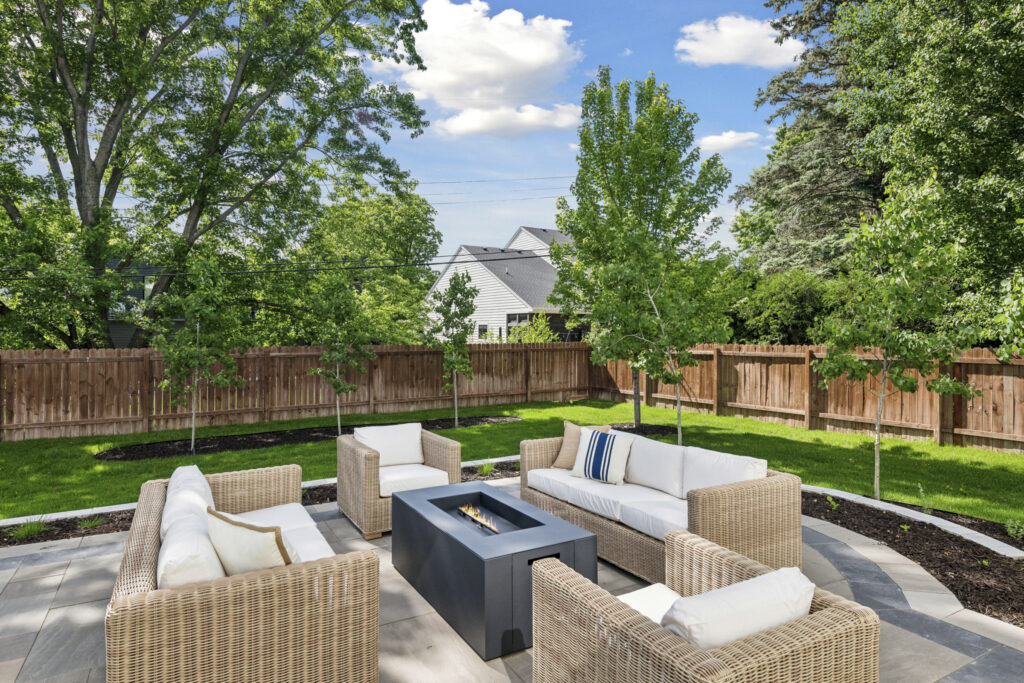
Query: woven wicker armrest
<point>759,518</point>
<point>442,453</point>
<point>359,466</point>
<point>247,490</point>
<point>308,621</point>
<point>695,565</point>
<point>537,454</point>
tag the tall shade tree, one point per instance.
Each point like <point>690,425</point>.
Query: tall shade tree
<point>203,348</point>
<point>641,192</point>
<point>137,132</point>
<point>885,335</point>
<point>452,311</point>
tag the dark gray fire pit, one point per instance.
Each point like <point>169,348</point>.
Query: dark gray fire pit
<point>479,580</point>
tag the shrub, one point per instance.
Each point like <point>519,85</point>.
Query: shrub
<point>485,470</point>
<point>1015,528</point>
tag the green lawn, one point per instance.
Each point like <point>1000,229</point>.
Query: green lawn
<point>48,475</point>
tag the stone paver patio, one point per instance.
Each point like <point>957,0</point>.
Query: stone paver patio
<point>53,597</point>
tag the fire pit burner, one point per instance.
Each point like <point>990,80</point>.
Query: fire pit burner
<point>477,516</point>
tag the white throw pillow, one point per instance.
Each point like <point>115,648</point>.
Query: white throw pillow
<point>719,617</point>
<point>397,444</point>
<point>703,468</point>
<point>601,456</point>
<point>655,464</point>
<point>651,601</point>
<point>187,555</point>
<point>244,547</point>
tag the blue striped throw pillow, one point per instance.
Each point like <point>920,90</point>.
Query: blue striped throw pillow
<point>602,456</point>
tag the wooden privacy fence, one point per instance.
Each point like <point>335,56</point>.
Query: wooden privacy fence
<point>114,391</point>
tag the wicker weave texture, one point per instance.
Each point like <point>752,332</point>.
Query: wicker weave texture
<point>359,496</point>
<point>583,633</point>
<point>312,621</point>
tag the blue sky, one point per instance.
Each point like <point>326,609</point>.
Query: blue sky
<point>503,82</point>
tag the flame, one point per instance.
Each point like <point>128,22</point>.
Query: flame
<point>478,516</point>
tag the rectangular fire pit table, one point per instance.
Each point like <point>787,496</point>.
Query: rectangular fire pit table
<point>477,579</point>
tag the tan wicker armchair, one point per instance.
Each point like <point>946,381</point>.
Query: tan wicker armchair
<point>312,621</point>
<point>359,496</point>
<point>759,519</point>
<point>582,633</point>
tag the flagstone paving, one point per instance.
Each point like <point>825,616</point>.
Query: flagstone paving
<point>53,597</point>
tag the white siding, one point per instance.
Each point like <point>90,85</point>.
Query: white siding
<point>528,242</point>
<point>494,299</point>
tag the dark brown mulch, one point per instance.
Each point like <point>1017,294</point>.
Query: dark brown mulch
<point>245,442</point>
<point>70,528</point>
<point>644,429</point>
<point>981,579</point>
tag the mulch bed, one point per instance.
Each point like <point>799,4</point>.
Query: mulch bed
<point>245,442</point>
<point>58,529</point>
<point>644,429</point>
<point>981,579</point>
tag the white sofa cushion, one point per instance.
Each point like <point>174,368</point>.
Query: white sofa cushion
<point>243,547</point>
<point>188,477</point>
<point>651,601</point>
<point>187,555</point>
<point>395,478</point>
<point>655,464</point>
<point>188,493</point>
<point>655,518</point>
<point>608,501</point>
<point>703,468</point>
<point>553,481</point>
<point>719,617</point>
<point>288,516</point>
<point>306,543</point>
<point>601,457</point>
<point>397,444</point>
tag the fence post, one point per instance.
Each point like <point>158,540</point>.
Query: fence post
<point>145,394</point>
<point>810,391</point>
<point>526,372</point>
<point>715,374</point>
<point>649,385</point>
<point>942,411</point>
<point>265,383</point>
<point>370,366</point>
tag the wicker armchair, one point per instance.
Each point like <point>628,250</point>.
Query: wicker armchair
<point>759,519</point>
<point>583,633</point>
<point>359,496</point>
<point>311,621</point>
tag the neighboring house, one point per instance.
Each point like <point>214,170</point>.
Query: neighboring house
<point>514,282</point>
<point>121,332</point>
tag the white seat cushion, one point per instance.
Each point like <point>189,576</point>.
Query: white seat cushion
<point>656,465</point>
<point>553,481</point>
<point>703,468</point>
<point>397,444</point>
<point>306,543</point>
<point>722,616</point>
<point>607,501</point>
<point>288,516</point>
<point>655,518</point>
<point>187,555</point>
<point>602,456</point>
<point>651,601</point>
<point>397,478</point>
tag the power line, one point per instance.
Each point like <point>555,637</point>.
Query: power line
<point>495,180</point>
<point>494,201</point>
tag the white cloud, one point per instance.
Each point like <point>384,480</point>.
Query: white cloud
<point>735,39</point>
<point>625,53</point>
<point>496,71</point>
<point>730,139</point>
<point>574,147</point>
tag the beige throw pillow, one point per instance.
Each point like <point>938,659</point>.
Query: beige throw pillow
<point>571,443</point>
<point>244,547</point>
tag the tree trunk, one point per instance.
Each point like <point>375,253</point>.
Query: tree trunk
<point>636,398</point>
<point>337,399</point>
<point>878,434</point>
<point>195,391</point>
<point>679,415</point>
<point>455,392</point>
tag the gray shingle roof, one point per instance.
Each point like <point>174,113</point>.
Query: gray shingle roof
<point>547,235</point>
<point>524,272</point>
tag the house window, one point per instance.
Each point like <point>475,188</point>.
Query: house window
<point>481,331</point>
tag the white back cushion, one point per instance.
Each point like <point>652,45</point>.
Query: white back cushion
<point>397,444</point>
<point>602,456</point>
<point>703,468</point>
<point>187,555</point>
<point>189,478</point>
<point>655,464</point>
<point>721,616</point>
<point>188,493</point>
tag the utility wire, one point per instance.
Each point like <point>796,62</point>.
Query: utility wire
<point>495,180</point>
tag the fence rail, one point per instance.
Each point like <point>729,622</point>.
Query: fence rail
<point>113,391</point>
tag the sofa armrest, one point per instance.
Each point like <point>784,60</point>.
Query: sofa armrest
<point>308,621</point>
<point>759,518</point>
<point>537,454</point>
<point>583,633</point>
<point>247,490</point>
<point>695,565</point>
<point>443,453</point>
<point>358,469</point>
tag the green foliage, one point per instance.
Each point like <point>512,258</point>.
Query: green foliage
<point>90,522</point>
<point>1015,529</point>
<point>637,254</point>
<point>537,331</point>
<point>485,469</point>
<point>832,502</point>
<point>905,527</point>
<point>782,308</point>
<point>451,328</point>
<point>218,122</point>
<point>27,530</point>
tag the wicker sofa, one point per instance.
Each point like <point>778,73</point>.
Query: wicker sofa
<point>359,496</point>
<point>311,621</point>
<point>583,633</point>
<point>759,519</point>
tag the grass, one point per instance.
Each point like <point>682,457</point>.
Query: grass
<point>49,475</point>
<point>485,469</point>
<point>90,522</point>
<point>25,531</point>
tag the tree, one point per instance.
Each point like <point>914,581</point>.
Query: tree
<point>451,328</point>
<point>781,308</point>
<point>164,127</point>
<point>886,330</point>
<point>204,347</point>
<point>641,192</point>
<point>536,331</point>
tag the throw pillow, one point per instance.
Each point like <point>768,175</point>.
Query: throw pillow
<point>719,617</point>
<point>397,444</point>
<point>244,547</point>
<point>571,443</point>
<point>187,555</point>
<point>601,456</point>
